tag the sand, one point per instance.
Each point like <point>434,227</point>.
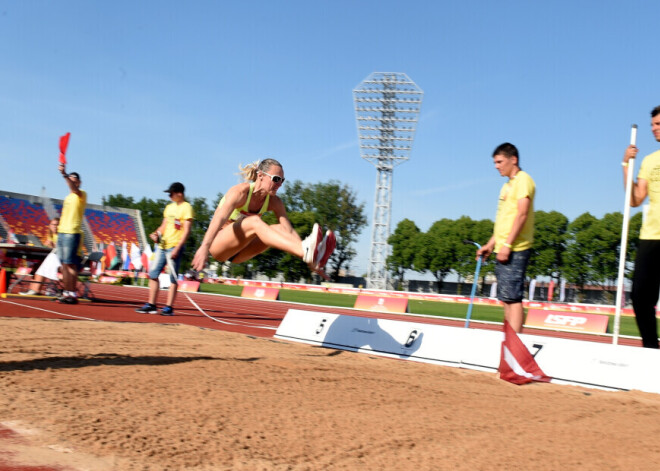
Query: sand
<point>122,396</point>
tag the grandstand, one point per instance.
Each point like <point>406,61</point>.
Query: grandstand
<point>27,217</point>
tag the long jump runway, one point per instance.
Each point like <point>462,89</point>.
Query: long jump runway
<point>229,313</point>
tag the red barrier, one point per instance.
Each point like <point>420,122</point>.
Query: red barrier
<point>576,322</point>
<point>189,286</point>
<point>259,292</point>
<point>381,303</point>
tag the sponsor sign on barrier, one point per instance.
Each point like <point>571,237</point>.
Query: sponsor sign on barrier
<point>108,279</point>
<point>189,286</point>
<point>567,361</point>
<point>381,303</point>
<point>575,322</point>
<point>258,292</point>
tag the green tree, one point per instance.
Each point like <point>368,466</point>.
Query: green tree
<point>436,251</point>
<point>605,249</point>
<point>403,241</point>
<point>464,233</point>
<point>550,232</point>
<point>577,257</point>
<point>332,205</point>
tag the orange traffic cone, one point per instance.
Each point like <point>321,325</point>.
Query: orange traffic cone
<point>3,283</point>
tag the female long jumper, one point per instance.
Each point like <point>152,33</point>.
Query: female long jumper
<point>237,233</point>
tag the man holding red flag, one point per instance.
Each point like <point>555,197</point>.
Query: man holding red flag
<point>70,234</point>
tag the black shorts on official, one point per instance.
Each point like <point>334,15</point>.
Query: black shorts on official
<point>511,277</point>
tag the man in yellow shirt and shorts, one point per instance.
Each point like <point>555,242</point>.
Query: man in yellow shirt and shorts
<point>70,235</point>
<point>513,233</point>
<point>171,237</point>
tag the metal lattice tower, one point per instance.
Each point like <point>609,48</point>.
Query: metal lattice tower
<point>387,106</point>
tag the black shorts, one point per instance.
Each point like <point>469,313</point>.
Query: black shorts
<point>511,277</point>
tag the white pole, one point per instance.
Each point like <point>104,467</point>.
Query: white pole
<point>624,240</point>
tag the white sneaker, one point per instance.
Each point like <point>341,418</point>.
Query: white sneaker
<point>310,246</point>
<point>30,292</point>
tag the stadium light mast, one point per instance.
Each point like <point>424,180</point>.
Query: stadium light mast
<point>387,106</point>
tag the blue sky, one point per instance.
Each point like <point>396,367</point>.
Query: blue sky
<point>160,91</point>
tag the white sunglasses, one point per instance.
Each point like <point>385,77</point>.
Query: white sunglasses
<point>274,178</point>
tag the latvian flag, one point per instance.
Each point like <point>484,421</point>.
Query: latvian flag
<point>517,365</point>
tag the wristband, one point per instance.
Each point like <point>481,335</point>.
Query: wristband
<point>624,164</point>
<point>506,245</point>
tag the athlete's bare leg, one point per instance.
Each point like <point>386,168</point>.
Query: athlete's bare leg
<point>235,238</point>
<point>513,312</point>
<point>256,247</point>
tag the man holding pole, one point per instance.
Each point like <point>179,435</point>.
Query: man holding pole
<point>513,233</point>
<point>646,279</point>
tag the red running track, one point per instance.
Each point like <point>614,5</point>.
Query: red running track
<point>229,313</point>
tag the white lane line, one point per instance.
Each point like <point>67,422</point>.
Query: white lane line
<point>48,310</point>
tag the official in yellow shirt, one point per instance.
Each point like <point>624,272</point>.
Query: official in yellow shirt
<point>171,237</point>
<point>513,233</point>
<point>646,279</point>
<point>70,235</point>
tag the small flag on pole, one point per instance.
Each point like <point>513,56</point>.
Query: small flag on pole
<point>64,143</point>
<point>136,258</point>
<point>125,257</point>
<point>147,254</point>
<point>517,365</point>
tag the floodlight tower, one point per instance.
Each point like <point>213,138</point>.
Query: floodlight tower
<point>387,106</point>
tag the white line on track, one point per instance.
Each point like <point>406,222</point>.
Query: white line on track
<point>48,310</point>
<point>236,322</point>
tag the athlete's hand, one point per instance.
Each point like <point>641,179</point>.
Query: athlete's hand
<point>504,254</point>
<point>631,153</point>
<point>484,252</point>
<point>200,259</point>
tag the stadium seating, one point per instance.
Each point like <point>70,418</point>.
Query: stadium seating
<point>108,227</point>
<point>27,219</point>
<point>24,218</point>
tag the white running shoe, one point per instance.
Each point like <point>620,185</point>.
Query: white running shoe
<point>310,246</point>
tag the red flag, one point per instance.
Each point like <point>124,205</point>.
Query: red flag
<point>517,365</point>
<point>110,253</point>
<point>64,143</point>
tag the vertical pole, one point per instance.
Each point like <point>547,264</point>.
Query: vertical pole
<point>624,241</point>
<point>475,282</point>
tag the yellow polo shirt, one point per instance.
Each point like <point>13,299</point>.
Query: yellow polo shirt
<point>650,171</point>
<point>175,215</point>
<point>72,213</point>
<point>520,186</point>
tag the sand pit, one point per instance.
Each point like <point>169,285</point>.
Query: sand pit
<point>119,396</point>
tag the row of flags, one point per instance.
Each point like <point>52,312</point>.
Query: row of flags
<point>128,259</point>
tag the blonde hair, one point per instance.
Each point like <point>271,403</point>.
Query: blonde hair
<point>250,171</point>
